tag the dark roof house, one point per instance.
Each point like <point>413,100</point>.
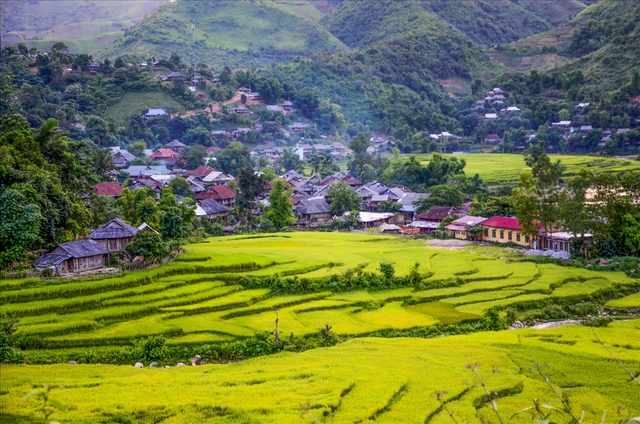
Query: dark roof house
<point>437,213</point>
<point>75,256</point>
<point>114,235</point>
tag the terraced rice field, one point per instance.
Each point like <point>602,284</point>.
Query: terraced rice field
<point>362,380</point>
<point>227,289</point>
<point>201,298</point>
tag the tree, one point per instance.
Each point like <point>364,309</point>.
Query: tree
<point>322,163</point>
<point>441,195</point>
<point>193,156</point>
<point>137,148</point>
<point>19,226</point>
<point>388,205</point>
<point>250,186</point>
<point>149,245</point>
<point>181,187</point>
<point>119,63</point>
<point>199,135</point>
<point>290,161</point>
<point>233,157</point>
<point>343,198</point>
<point>103,209</point>
<point>280,209</point>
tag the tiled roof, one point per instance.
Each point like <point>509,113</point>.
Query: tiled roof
<point>438,213</point>
<point>108,189</point>
<point>164,153</point>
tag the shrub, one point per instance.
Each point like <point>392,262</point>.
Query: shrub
<point>9,354</point>
<point>387,270</point>
<point>151,349</point>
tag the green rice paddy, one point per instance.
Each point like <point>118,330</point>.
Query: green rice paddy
<point>205,298</point>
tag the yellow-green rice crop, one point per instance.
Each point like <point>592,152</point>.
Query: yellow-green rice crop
<point>362,380</point>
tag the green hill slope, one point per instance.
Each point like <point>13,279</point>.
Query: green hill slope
<point>236,33</point>
<point>608,42</point>
<point>486,22</point>
<point>394,83</point>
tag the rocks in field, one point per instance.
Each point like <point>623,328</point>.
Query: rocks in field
<point>517,325</point>
<point>153,364</point>
<point>180,364</point>
<point>73,363</point>
<point>139,365</point>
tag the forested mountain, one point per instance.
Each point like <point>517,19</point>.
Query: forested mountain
<point>393,83</point>
<point>608,42</point>
<point>236,33</point>
<point>486,22</point>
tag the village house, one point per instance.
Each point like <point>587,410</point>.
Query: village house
<point>172,76</point>
<point>253,96</point>
<point>375,219</point>
<point>94,68</point>
<point>275,108</point>
<point>298,127</point>
<point>200,172</point>
<point>240,110</point>
<point>586,128</point>
<point>511,110</point>
<point>114,235</point>
<point>460,228</point>
<point>493,139</point>
<point>223,194</point>
<point>437,213</point>
<point>76,256</point>
<point>109,189</point>
<point>240,133</point>
<point>212,210</point>
<point>312,212</point>
<point>502,229</point>
<point>244,90</point>
<point>152,113</point>
<point>287,106</point>
<point>218,134</point>
<point>135,171</point>
<point>167,156</point>
<point>121,158</point>
<point>490,116</point>
<point>176,146</point>
<point>564,125</point>
<point>146,181</point>
<point>217,178</point>
<point>560,241</point>
<point>291,176</point>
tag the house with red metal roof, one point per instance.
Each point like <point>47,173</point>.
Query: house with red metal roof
<point>503,229</point>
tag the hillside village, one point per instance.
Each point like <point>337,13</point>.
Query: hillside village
<point>320,211</point>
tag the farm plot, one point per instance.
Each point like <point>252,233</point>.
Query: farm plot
<point>230,288</point>
<point>362,380</point>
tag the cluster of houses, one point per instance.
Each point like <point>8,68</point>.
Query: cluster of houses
<point>312,209</point>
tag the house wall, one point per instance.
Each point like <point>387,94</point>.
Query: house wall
<point>503,235</point>
<point>86,264</point>
<point>115,245</point>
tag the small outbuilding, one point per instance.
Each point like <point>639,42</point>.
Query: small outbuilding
<point>76,256</point>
